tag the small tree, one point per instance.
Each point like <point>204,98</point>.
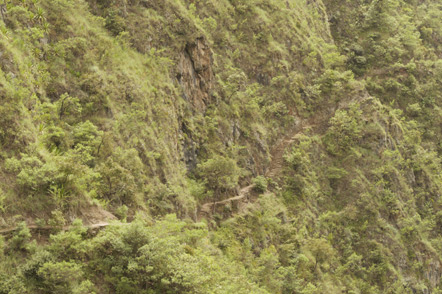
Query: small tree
<point>260,183</point>
<point>122,177</point>
<point>321,250</point>
<point>346,128</point>
<point>64,277</point>
<point>21,237</point>
<point>220,173</point>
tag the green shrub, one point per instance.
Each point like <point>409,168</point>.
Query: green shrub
<point>260,184</point>
<point>345,130</point>
<point>122,177</point>
<point>62,277</point>
<point>221,173</point>
<point>21,237</point>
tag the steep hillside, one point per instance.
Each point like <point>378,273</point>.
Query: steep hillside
<point>229,146</point>
<point>117,102</point>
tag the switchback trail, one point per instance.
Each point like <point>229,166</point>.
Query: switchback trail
<point>274,170</point>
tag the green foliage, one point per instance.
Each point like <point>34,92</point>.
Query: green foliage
<point>60,277</point>
<point>171,256</point>
<point>122,177</point>
<point>260,184</point>
<point>321,251</point>
<point>150,107</point>
<point>345,130</point>
<point>221,173</point>
<point>336,173</point>
<point>2,246</point>
<point>122,212</point>
<point>2,201</point>
<point>198,190</point>
<point>57,220</point>
<point>86,139</point>
<point>21,237</point>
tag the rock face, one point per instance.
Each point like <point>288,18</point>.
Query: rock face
<point>195,74</point>
<point>189,149</point>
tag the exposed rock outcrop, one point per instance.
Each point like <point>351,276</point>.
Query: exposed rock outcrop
<point>196,78</point>
<point>195,74</point>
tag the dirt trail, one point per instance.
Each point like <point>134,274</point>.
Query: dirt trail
<point>207,208</point>
<point>49,228</point>
<point>274,170</point>
<point>94,218</point>
<point>278,151</point>
<point>278,157</point>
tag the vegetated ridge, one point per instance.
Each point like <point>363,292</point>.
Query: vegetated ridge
<point>228,146</point>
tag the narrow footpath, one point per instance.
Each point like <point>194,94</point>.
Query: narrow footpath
<point>274,170</point>
<point>207,209</point>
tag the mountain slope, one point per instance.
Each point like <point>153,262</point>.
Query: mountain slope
<point>260,146</point>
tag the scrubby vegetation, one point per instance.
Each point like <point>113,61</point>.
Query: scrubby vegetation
<point>311,130</point>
